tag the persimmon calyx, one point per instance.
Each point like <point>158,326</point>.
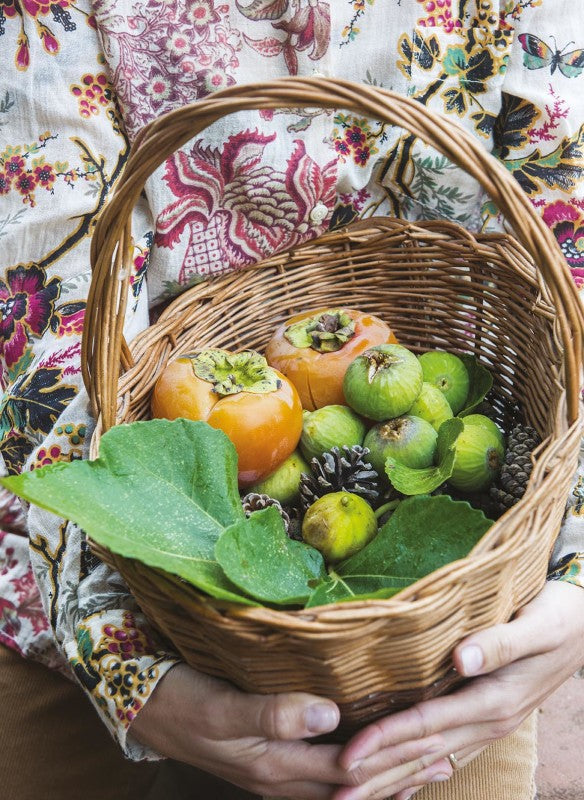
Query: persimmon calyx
<point>324,333</point>
<point>231,373</point>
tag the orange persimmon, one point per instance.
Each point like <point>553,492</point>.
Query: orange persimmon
<point>314,349</point>
<point>253,404</point>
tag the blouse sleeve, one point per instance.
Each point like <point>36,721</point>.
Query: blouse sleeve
<point>539,136</point>
<point>62,147</point>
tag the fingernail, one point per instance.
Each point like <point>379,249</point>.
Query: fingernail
<point>409,796</point>
<point>321,718</point>
<point>472,659</point>
<point>440,776</point>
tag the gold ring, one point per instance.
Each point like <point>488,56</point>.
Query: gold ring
<point>453,761</point>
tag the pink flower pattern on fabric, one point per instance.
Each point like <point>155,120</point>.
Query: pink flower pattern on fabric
<point>567,223</point>
<point>308,29</point>
<point>23,622</point>
<point>26,307</point>
<point>168,54</point>
<point>439,15</point>
<point>238,209</point>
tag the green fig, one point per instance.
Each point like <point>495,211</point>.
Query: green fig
<point>432,406</point>
<point>448,373</point>
<point>408,439</point>
<point>330,426</point>
<point>339,525</point>
<point>487,424</point>
<point>478,457</point>
<point>383,382</point>
<point>284,483</point>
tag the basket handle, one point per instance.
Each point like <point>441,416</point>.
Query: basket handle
<point>104,350</point>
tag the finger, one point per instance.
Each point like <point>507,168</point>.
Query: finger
<point>269,762</point>
<point>299,790</point>
<point>465,755</point>
<point>387,784</point>
<point>275,716</point>
<point>419,722</point>
<point>465,743</point>
<point>501,645</point>
<point>407,793</point>
<point>476,713</point>
<point>412,755</point>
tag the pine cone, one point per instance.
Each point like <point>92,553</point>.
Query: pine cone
<point>294,529</point>
<point>255,502</point>
<point>517,467</point>
<point>343,469</point>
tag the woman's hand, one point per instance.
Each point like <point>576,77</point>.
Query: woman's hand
<point>253,741</point>
<point>520,664</point>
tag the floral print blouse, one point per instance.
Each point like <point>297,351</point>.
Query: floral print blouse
<point>78,82</point>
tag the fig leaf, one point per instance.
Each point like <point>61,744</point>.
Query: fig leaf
<point>258,556</point>
<point>423,534</point>
<point>356,587</point>
<point>161,492</point>
<point>480,383</point>
<point>410,481</point>
<point>165,493</point>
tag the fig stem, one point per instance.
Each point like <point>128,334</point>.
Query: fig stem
<point>391,506</point>
<point>336,577</point>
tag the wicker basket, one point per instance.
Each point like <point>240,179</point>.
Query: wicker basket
<point>509,301</point>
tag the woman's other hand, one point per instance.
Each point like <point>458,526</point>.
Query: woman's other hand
<point>514,666</point>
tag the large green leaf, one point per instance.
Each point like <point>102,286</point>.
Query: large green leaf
<point>356,587</point>
<point>423,534</point>
<point>410,481</point>
<point>259,558</point>
<point>161,492</point>
<point>480,383</point>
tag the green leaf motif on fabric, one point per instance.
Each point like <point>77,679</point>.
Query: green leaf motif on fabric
<point>561,169</point>
<point>84,644</point>
<point>35,401</point>
<point>473,70</point>
<point>455,60</point>
<point>23,363</point>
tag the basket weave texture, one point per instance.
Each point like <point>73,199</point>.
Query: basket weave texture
<point>508,300</point>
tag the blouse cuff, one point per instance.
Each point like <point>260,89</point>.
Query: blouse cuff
<point>570,569</point>
<point>119,669</point>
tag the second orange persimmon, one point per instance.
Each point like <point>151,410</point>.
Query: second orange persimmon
<point>314,349</point>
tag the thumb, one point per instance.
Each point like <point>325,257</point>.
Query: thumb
<point>294,715</point>
<point>496,647</point>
